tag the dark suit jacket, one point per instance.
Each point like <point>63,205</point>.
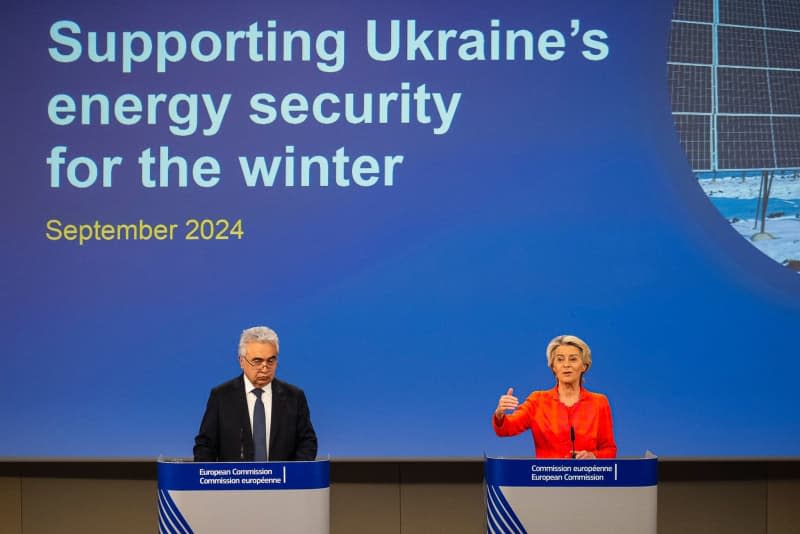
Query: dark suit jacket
<point>225,433</point>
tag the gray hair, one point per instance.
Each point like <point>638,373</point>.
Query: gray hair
<point>258,334</point>
<point>575,341</point>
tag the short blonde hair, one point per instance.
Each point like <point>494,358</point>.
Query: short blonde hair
<point>575,341</point>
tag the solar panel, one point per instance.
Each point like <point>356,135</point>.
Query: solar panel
<point>734,80</point>
<point>690,88</point>
<point>690,43</point>
<point>785,87</point>
<point>787,144</point>
<point>742,46</point>
<point>782,14</point>
<point>695,10</point>
<point>743,91</point>
<point>784,49</point>
<point>742,12</point>
<point>694,131</point>
<point>745,142</point>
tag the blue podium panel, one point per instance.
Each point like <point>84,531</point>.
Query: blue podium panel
<point>293,497</point>
<point>572,496</point>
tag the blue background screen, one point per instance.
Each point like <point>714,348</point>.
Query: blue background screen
<point>558,200</point>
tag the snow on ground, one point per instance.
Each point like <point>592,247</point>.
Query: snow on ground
<point>786,230</point>
<point>747,187</point>
<point>783,225</point>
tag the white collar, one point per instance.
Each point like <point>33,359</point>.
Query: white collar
<point>248,386</point>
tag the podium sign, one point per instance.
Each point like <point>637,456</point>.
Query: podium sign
<point>571,496</point>
<point>287,497</point>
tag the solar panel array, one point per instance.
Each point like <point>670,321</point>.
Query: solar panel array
<point>734,79</point>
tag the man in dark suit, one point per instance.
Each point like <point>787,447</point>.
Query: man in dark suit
<point>256,416</point>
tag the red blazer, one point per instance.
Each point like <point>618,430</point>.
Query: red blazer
<point>550,420</point>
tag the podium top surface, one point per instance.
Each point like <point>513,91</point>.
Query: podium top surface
<point>623,472</point>
<point>221,476</point>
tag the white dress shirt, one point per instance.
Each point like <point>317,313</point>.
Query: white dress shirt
<point>266,399</point>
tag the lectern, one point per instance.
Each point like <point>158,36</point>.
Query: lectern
<point>286,497</point>
<point>571,496</point>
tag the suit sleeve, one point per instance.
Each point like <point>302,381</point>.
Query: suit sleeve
<point>517,422</point>
<point>206,443</point>
<point>306,437</point>
<point>606,447</point>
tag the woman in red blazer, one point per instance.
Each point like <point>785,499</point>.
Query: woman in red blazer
<point>565,413</point>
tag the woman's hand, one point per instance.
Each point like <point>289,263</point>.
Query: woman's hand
<point>584,455</point>
<point>506,402</point>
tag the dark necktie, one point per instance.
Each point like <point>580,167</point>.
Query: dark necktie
<point>259,428</point>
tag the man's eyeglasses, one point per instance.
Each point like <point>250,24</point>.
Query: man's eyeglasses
<point>261,362</point>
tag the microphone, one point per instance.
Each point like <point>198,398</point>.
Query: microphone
<point>572,438</point>
<point>241,443</point>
